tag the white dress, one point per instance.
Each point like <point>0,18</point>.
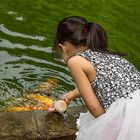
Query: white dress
<point>117,86</point>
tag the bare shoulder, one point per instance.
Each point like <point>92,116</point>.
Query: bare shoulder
<point>78,63</point>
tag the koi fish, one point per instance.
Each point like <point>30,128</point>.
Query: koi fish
<point>45,86</point>
<point>16,109</point>
<point>34,101</point>
<point>44,100</point>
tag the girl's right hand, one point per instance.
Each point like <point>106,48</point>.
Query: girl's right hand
<point>66,98</point>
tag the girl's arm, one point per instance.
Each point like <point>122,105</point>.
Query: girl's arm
<point>71,95</point>
<point>77,66</point>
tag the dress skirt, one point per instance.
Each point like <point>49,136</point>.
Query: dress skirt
<point>120,122</point>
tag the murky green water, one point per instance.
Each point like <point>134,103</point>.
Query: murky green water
<point>26,38</point>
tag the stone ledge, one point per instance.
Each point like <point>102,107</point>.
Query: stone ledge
<point>39,125</point>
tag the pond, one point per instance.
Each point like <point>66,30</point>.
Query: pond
<point>27,29</point>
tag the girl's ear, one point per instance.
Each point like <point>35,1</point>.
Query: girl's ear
<point>62,47</point>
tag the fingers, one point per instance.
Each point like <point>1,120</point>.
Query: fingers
<point>66,99</point>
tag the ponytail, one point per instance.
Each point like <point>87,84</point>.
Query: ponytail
<point>79,32</point>
<point>96,38</point>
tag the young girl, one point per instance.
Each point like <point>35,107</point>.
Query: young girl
<point>108,84</point>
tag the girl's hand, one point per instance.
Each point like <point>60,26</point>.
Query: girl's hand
<point>71,96</point>
<point>66,98</point>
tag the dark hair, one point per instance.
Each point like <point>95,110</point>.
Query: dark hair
<point>78,31</point>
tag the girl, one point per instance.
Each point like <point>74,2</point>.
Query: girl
<point>108,84</point>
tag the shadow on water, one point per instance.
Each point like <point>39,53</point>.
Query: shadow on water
<point>26,39</point>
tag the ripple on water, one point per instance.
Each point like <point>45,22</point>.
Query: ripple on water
<point>27,32</point>
<point>16,34</point>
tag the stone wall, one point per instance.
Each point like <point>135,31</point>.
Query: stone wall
<point>39,125</point>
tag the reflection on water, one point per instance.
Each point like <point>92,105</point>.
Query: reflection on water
<point>20,18</point>
<point>8,32</point>
<point>26,39</point>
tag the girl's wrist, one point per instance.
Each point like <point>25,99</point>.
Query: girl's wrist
<point>73,94</point>
<point>67,99</point>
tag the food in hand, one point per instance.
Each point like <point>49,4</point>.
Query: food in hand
<point>60,106</point>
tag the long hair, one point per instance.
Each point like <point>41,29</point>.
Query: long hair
<point>78,31</point>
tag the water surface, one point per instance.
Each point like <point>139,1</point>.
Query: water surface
<point>27,28</point>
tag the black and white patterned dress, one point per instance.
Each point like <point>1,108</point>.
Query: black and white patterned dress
<point>117,86</point>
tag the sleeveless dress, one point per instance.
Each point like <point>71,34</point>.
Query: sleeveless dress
<point>117,87</point>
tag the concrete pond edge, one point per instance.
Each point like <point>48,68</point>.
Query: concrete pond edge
<point>39,124</point>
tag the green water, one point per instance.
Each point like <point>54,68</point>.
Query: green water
<point>27,28</point>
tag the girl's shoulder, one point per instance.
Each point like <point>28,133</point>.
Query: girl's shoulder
<point>77,61</point>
